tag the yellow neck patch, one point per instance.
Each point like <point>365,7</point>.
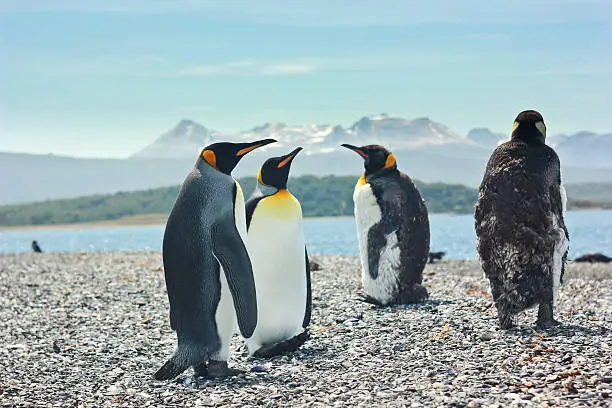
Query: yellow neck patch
<point>362,180</point>
<point>259,176</point>
<point>280,205</point>
<point>514,126</point>
<point>542,128</point>
<point>390,161</point>
<point>210,157</point>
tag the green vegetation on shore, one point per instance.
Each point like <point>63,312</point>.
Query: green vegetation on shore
<point>319,196</point>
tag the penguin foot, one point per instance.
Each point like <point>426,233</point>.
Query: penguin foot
<point>545,317</point>
<point>201,370</point>
<point>415,294</point>
<point>219,369</point>
<point>283,347</point>
<point>368,299</point>
<point>506,322</point>
<point>547,324</point>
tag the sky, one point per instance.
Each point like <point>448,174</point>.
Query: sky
<point>105,78</point>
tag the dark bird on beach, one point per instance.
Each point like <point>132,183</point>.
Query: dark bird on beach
<point>436,256</point>
<point>519,220</point>
<point>36,247</point>
<point>594,257</point>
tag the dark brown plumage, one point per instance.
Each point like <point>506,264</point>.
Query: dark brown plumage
<point>522,238</point>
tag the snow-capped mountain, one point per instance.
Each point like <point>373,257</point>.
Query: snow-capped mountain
<point>584,147</point>
<point>188,138</point>
<point>486,137</point>
<point>425,150</point>
<point>406,137</point>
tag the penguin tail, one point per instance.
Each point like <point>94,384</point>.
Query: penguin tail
<point>414,294</point>
<point>517,299</point>
<point>183,358</point>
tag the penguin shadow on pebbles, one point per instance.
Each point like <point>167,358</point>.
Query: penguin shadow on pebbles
<point>563,330</point>
<point>392,230</point>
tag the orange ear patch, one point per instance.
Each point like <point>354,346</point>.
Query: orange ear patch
<point>210,157</point>
<point>390,161</point>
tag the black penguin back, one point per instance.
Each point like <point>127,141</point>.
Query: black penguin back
<point>519,202</point>
<point>404,214</point>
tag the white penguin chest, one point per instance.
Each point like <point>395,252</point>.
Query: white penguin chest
<point>367,214</point>
<point>561,246</point>
<point>277,247</point>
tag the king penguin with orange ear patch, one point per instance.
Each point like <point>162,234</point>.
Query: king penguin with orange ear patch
<point>209,276</point>
<point>280,262</point>
<point>393,230</point>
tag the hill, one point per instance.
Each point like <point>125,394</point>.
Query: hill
<point>319,196</point>
<point>425,149</point>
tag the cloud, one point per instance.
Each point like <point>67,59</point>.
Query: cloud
<point>305,66</point>
<point>341,12</point>
<point>153,66</point>
<point>197,108</point>
<point>250,68</point>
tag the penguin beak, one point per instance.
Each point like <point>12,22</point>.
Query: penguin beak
<point>356,149</point>
<point>254,145</point>
<point>289,158</point>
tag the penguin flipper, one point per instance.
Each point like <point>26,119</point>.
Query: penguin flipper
<point>376,242</point>
<point>308,311</point>
<point>251,204</point>
<point>230,251</point>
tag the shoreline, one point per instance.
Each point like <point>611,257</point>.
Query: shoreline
<point>160,219</point>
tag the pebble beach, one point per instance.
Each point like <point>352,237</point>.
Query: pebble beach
<point>90,329</point>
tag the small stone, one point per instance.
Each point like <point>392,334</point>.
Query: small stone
<point>113,390</point>
<point>258,369</point>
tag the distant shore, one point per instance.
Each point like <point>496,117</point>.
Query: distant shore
<point>160,219</point>
<point>131,221</point>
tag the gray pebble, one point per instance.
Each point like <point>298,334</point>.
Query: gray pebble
<point>89,330</point>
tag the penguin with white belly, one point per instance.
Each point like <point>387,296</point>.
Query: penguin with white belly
<point>519,220</point>
<point>393,230</point>
<point>280,262</point>
<point>208,271</point>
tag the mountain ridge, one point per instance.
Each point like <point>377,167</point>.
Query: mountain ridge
<point>425,150</point>
<point>422,134</point>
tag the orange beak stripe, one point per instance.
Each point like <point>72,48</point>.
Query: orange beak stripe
<point>287,160</point>
<point>361,153</point>
<point>247,149</point>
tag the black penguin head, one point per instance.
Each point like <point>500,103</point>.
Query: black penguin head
<point>375,157</point>
<point>275,171</point>
<point>529,127</point>
<point>224,156</point>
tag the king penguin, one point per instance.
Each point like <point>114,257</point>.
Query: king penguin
<point>209,276</point>
<point>392,228</point>
<point>280,262</point>
<point>519,220</point>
